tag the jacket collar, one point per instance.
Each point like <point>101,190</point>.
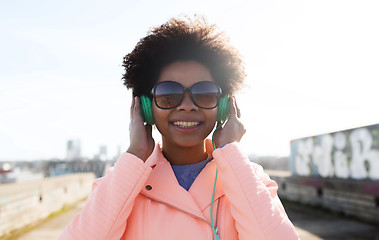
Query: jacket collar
<point>165,188</point>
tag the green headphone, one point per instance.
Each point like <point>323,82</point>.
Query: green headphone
<point>147,114</point>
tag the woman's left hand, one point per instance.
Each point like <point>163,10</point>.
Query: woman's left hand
<point>233,130</point>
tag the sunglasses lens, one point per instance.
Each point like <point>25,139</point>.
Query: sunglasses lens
<point>205,94</point>
<point>168,94</point>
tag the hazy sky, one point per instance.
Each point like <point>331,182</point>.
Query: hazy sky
<point>313,68</point>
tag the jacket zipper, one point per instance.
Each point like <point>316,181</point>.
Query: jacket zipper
<point>217,213</point>
<point>181,210</point>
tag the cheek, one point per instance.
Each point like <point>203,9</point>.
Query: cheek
<point>212,115</point>
<point>159,115</point>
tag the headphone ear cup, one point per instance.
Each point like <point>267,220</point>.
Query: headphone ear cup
<point>223,109</point>
<point>146,112</point>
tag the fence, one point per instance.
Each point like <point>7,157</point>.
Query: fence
<point>27,202</point>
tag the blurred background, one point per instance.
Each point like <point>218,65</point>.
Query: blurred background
<point>312,72</point>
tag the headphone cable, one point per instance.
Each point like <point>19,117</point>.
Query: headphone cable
<point>215,230</point>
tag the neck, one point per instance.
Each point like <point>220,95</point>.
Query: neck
<point>178,155</point>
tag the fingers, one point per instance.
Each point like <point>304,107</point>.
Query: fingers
<point>232,110</point>
<point>136,104</point>
<point>149,131</point>
<point>132,106</point>
<point>135,110</point>
<point>237,108</point>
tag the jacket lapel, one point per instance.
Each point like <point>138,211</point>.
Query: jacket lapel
<point>202,188</point>
<point>162,185</point>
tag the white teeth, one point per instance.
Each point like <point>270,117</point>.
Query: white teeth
<point>186,124</point>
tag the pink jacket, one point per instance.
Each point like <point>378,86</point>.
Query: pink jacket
<point>138,200</point>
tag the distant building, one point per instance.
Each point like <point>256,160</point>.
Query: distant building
<point>102,155</point>
<point>19,172</point>
<point>103,152</point>
<point>73,150</point>
<point>118,154</point>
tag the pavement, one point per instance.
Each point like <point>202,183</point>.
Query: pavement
<point>311,224</point>
<point>316,223</point>
<point>52,228</point>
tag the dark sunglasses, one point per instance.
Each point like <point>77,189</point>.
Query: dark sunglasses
<point>169,94</point>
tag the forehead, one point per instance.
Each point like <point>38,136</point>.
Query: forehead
<point>186,73</point>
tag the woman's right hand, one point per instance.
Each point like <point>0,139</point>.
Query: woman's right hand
<point>141,140</point>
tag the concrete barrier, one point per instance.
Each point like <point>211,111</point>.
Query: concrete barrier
<point>27,202</point>
<point>359,199</point>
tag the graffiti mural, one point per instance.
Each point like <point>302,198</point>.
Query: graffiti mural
<point>346,154</point>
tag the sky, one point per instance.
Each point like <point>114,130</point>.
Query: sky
<point>312,68</point>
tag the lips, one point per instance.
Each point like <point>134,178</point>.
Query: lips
<point>186,124</point>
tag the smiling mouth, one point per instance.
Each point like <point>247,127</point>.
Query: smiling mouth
<point>186,124</point>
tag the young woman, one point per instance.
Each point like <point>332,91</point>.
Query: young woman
<point>187,187</point>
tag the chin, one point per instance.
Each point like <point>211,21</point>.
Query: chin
<point>186,143</point>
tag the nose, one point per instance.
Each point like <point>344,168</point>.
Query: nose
<point>187,104</point>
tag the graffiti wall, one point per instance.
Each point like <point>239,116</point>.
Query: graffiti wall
<point>346,154</point>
